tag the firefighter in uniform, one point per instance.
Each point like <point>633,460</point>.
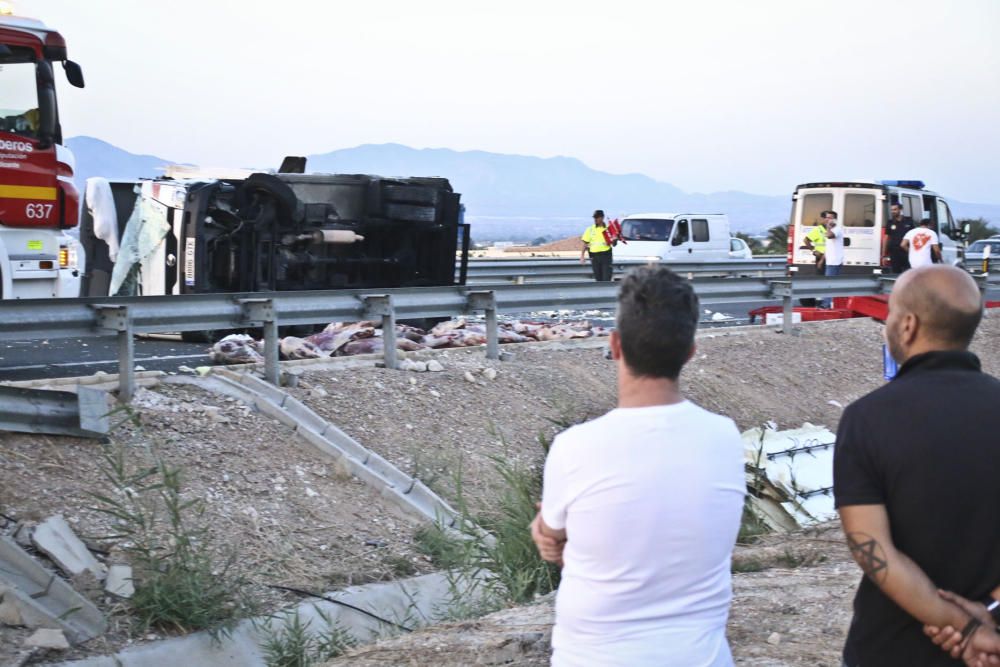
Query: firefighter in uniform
<point>597,242</point>
<point>816,241</point>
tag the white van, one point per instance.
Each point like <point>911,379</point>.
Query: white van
<point>675,237</point>
<point>863,206</point>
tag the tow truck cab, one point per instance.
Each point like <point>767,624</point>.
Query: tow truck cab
<point>38,201</point>
<point>863,209</point>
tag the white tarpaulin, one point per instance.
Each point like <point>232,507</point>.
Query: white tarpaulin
<point>101,204</point>
<point>799,463</point>
<point>144,232</point>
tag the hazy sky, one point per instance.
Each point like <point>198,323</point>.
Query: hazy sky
<point>708,95</point>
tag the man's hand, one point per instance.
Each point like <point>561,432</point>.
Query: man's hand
<point>583,259</point>
<point>984,646</point>
<point>550,547</point>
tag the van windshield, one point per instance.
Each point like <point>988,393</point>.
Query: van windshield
<point>638,229</point>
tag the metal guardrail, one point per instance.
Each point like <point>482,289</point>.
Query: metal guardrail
<point>126,316</point>
<point>84,413</point>
<point>520,271</point>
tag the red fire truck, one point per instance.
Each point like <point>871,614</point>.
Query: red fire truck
<point>38,201</point>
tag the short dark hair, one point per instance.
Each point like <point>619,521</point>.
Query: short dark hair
<point>598,213</point>
<point>826,213</point>
<point>657,319</point>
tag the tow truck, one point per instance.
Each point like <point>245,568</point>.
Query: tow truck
<point>38,201</point>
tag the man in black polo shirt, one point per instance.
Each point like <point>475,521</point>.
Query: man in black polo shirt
<point>893,255</point>
<point>916,471</point>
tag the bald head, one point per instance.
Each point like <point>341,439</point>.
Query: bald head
<point>944,300</point>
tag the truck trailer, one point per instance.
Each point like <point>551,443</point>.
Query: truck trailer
<point>276,232</point>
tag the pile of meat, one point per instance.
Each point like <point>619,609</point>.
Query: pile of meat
<point>340,339</point>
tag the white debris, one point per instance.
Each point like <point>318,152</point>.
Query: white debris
<point>774,639</point>
<point>119,581</point>
<point>490,374</point>
<point>434,366</point>
<point>412,365</point>
<point>310,493</point>
<point>469,377</point>
<point>185,369</point>
<point>836,404</point>
<point>47,638</point>
<point>721,317</point>
<point>56,539</point>
<point>798,465</point>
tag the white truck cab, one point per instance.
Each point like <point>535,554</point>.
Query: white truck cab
<point>675,237</point>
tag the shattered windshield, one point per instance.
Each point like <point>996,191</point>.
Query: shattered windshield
<point>19,99</point>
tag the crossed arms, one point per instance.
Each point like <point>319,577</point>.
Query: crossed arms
<point>958,626</point>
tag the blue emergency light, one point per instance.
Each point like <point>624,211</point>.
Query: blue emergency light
<point>914,185</point>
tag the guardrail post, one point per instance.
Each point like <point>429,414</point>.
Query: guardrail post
<point>783,289</point>
<point>262,310</point>
<point>487,301</point>
<point>380,305</point>
<point>116,318</point>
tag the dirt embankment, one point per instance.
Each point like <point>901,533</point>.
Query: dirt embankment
<point>297,520</point>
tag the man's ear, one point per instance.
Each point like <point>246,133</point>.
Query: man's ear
<point>615,343</point>
<point>909,329</point>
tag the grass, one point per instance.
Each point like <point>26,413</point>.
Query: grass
<point>751,525</point>
<point>494,554</point>
<point>294,644</point>
<point>180,583</point>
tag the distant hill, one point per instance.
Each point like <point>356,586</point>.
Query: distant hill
<point>507,197</point>
<point>497,186</point>
<point>99,158</point>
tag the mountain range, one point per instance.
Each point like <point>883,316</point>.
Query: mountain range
<point>507,197</point>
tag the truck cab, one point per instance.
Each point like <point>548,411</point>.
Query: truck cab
<point>38,201</point>
<point>675,237</point>
<point>863,209</point>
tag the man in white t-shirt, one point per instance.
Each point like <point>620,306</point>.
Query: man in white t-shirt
<point>834,244</point>
<point>923,245</point>
<point>642,506</point>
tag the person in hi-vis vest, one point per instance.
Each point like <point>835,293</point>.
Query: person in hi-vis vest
<point>598,243</point>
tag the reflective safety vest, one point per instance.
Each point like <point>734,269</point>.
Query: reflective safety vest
<point>818,238</point>
<point>594,238</point>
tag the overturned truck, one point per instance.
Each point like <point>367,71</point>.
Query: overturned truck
<point>271,232</point>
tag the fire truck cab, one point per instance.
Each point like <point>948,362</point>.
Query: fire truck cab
<point>38,201</point>
<point>863,209</point>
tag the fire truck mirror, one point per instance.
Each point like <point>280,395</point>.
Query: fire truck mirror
<point>74,73</point>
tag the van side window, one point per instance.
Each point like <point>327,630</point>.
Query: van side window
<point>859,210</point>
<point>912,209</point>
<point>699,229</point>
<point>813,207</point>
<point>681,236</point>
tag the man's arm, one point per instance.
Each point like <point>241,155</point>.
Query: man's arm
<point>936,251</point>
<point>905,244</point>
<point>870,540</point>
<point>550,542</point>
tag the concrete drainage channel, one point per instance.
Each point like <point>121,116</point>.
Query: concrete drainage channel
<point>409,603</point>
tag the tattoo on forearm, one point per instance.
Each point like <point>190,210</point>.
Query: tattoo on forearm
<point>869,555</point>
